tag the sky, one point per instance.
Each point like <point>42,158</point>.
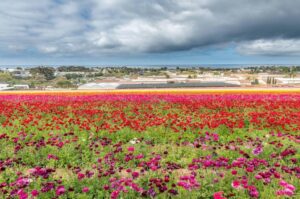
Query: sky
<point>149,32</point>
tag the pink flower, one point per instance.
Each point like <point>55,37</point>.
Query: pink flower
<point>234,172</point>
<point>130,149</point>
<point>22,182</point>
<point>114,194</point>
<point>80,176</point>
<point>253,192</point>
<point>135,174</point>
<point>85,189</point>
<point>290,187</point>
<point>258,177</point>
<point>34,193</point>
<point>288,192</point>
<point>219,195</point>
<point>106,187</point>
<point>22,194</point>
<point>139,156</point>
<point>215,137</point>
<point>236,184</point>
<point>283,183</point>
<point>258,150</point>
<point>51,156</point>
<point>60,190</point>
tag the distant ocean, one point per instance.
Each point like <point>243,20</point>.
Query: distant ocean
<point>216,66</point>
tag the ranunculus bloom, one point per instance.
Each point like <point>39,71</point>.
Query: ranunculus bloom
<point>236,184</point>
<point>219,195</point>
<point>22,194</point>
<point>114,194</point>
<point>34,193</point>
<point>85,189</point>
<point>135,174</point>
<point>60,190</point>
<point>80,176</point>
<point>130,149</point>
<point>257,150</point>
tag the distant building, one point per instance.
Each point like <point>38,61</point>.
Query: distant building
<point>19,72</point>
<point>177,85</point>
<point>4,86</point>
<point>288,80</point>
<point>146,85</point>
<point>21,86</point>
<point>95,86</point>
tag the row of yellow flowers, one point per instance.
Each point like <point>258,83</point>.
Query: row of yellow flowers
<point>159,91</point>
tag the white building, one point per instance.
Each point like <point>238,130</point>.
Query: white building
<point>21,86</point>
<point>288,80</point>
<point>96,86</point>
<point>4,87</point>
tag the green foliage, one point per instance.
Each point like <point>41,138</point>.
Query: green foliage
<point>73,76</point>
<point>5,77</point>
<point>47,72</point>
<point>64,84</point>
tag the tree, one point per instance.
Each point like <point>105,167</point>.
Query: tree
<point>268,80</point>
<point>73,76</point>
<point>64,84</point>
<point>5,77</point>
<point>292,72</point>
<point>47,72</point>
<point>255,82</point>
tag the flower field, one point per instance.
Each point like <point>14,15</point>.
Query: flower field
<point>179,144</point>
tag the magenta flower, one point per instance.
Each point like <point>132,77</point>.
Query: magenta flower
<point>22,194</point>
<point>114,194</point>
<point>85,189</point>
<point>51,156</point>
<point>135,174</point>
<point>236,184</point>
<point>60,190</point>
<point>258,150</point>
<point>22,182</point>
<point>253,192</point>
<point>219,195</point>
<point>80,176</point>
<point>234,172</point>
<point>34,193</point>
<point>188,182</point>
<point>139,156</point>
<point>288,189</point>
<point>131,149</point>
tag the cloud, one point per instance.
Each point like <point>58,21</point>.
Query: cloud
<point>275,47</point>
<point>99,27</point>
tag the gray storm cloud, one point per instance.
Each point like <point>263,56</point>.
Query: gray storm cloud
<point>152,26</point>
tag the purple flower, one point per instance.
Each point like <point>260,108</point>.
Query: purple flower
<point>258,150</point>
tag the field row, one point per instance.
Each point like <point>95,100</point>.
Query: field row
<point>158,145</point>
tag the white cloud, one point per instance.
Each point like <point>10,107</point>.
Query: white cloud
<point>96,27</point>
<point>48,49</point>
<point>271,47</point>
